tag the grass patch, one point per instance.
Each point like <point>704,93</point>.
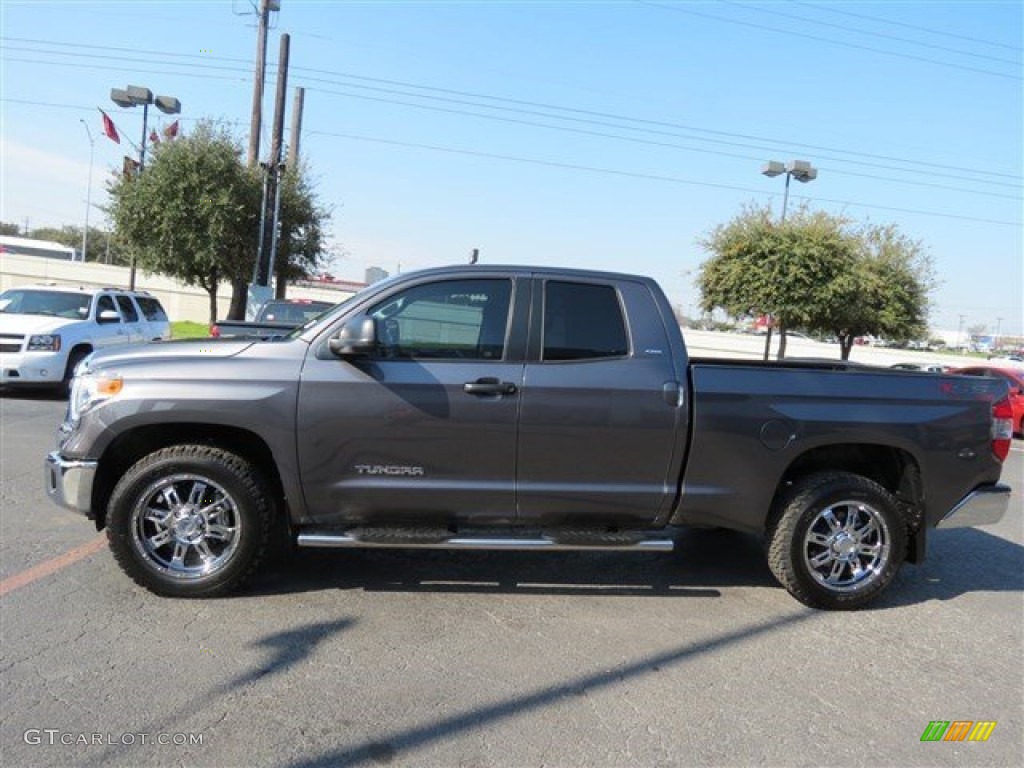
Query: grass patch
<point>186,329</point>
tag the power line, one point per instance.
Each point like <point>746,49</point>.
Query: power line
<point>664,124</point>
<point>882,35</point>
<point>830,41</point>
<point>829,8</point>
<point>940,168</point>
<point>650,176</point>
<point>636,140</point>
<point>649,142</point>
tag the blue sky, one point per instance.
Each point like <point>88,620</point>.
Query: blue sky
<point>609,135</point>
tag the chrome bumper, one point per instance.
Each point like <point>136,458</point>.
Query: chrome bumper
<point>69,482</point>
<point>983,506</point>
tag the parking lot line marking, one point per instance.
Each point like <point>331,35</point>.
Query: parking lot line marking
<point>52,565</point>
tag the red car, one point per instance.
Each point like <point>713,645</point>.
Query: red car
<point>1015,378</point>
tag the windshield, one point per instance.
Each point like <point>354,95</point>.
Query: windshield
<point>19,301</point>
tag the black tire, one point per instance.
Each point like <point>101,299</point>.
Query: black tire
<point>836,540</point>
<point>76,356</point>
<point>189,521</point>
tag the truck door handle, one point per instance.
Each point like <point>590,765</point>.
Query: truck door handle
<point>489,386</point>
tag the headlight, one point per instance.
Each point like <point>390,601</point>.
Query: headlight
<point>89,389</point>
<point>44,342</point>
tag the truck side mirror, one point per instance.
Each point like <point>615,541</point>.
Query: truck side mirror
<point>357,338</point>
<point>108,316</point>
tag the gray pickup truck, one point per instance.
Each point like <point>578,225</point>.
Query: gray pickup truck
<point>518,408</point>
<point>278,317</point>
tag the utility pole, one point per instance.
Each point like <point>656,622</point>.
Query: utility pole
<point>279,268</point>
<point>293,134</point>
<point>269,238</point>
<point>266,6</point>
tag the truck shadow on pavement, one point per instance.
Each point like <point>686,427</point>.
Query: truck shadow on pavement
<point>959,561</point>
<point>702,562</point>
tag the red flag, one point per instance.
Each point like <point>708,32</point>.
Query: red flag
<point>171,131</point>
<point>154,137</point>
<point>109,128</point>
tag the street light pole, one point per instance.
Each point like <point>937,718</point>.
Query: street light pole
<point>88,189</point>
<point>132,96</point>
<point>803,172</point>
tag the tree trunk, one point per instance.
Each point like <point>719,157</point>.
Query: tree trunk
<point>239,295</point>
<point>782,342</point>
<point>210,284</point>
<point>213,303</point>
<point>845,345</point>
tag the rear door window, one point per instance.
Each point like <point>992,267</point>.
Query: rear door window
<point>151,309</point>
<point>128,311</point>
<point>583,321</point>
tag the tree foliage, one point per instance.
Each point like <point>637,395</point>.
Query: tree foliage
<point>817,272</point>
<point>194,214</point>
<point>301,246</point>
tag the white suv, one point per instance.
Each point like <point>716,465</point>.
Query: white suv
<point>46,330</point>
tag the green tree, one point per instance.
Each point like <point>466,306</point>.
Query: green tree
<point>886,293</point>
<point>194,214</point>
<point>817,272</point>
<point>9,229</point>
<point>761,266</point>
<point>193,211</point>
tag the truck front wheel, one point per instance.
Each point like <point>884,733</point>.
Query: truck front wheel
<point>189,521</point>
<point>836,540</point>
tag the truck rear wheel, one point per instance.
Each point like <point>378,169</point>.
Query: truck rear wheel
<point>836,540</point>
<point>189,521</point>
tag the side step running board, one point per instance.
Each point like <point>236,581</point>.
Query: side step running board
<point>341,540</point>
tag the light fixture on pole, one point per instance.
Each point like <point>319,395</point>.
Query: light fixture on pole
<point>88,189</point>
<point>133,96</point>
<point>802,171</point>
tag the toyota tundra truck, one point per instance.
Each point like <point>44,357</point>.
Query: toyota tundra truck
<point>518,408</point>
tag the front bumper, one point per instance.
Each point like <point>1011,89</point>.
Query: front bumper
<point>983,506</point>
<point>69,482</point>
<point>32,368</point>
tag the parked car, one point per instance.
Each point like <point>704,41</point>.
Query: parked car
<point>518,408</point>
<point>46,330</point>
<point>277,317</point>
<point>929,367</point>
<point>1014,377</point>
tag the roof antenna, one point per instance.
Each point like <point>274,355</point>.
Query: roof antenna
<point>475,256</point>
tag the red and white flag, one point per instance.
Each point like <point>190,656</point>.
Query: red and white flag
<point>110,129</point>
<point>154,137</point>
<point>171,131</point>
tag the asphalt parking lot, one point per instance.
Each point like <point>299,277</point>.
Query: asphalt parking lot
<point>495,659</point>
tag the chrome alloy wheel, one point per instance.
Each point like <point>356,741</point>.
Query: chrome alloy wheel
<point>186,526</point>
<point>847,546</point>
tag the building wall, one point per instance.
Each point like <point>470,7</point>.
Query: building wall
<point>181,301</point>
